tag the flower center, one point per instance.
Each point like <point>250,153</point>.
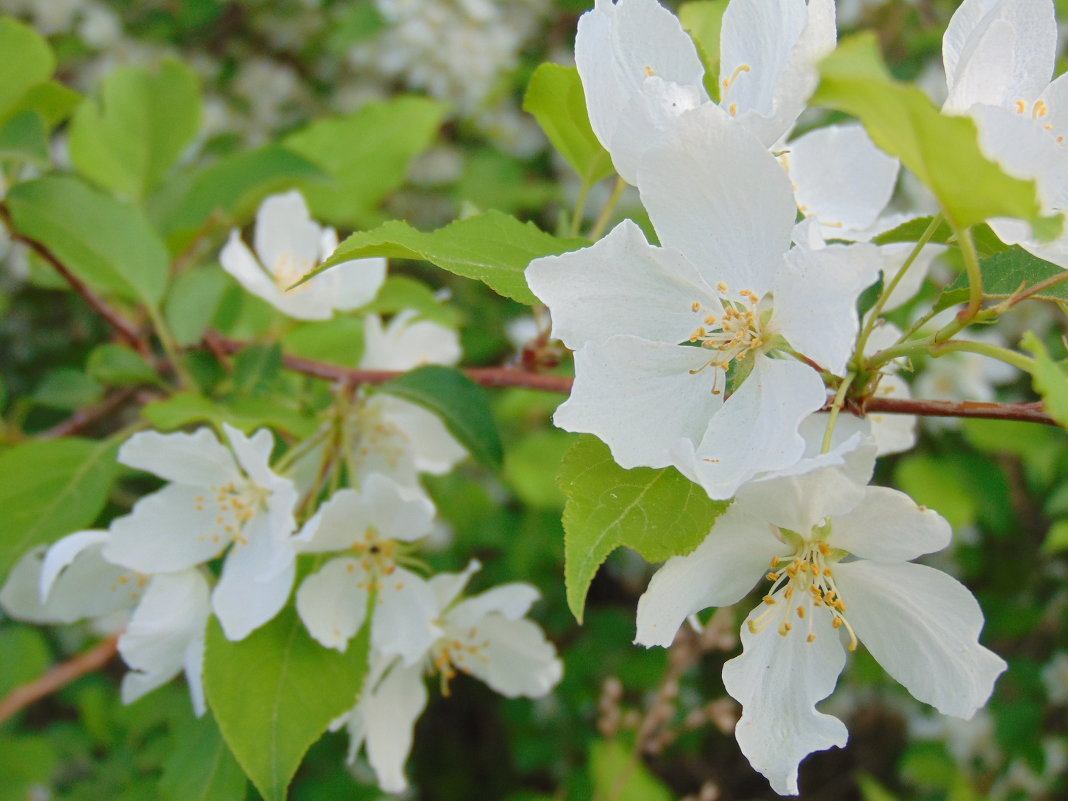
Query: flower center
<point>732,335</point>
<point>454,652</point>
<point>235,503</point>
<point>287,271</point>
<point>377,555</point>
<point>807,586</point>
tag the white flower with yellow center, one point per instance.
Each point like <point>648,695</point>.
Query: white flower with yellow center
<point>289,245</point>
<point>217,497</point>
<point>485,636</point>
<point>837,558</point>
<point>705,352</point>
<point>640,69</point>
<point>375,526</point>
<point>999,57</point>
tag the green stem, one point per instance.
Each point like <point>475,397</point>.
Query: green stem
<point>888,290</point>
<point>975,283</point>
<point>608,210</point>
<point>170,347</point>
<point>1018,360</point>
<point>836,408</point>
<point>580,207</point>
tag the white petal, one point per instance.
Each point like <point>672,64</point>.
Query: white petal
<point>780,42</point>
<point>396,512</point>
<point>513,657</point>
<point>63,552</point>
<point>255,583</point>
<point>756,430</point>
<point>715,194</point>
<point>254,456</point>
<point>816,300</point>
<point>617,47</point>
<point>654,109</point>
<point>923,627</point>
<point>403,617</point>
<point>406,343</point>
<point>197,459</point>
<point>390,712</point>
<point>621,285</point>
<point>801,502</point>
<point>286,232</point>
<point>779,680</point>
<point>512,601</point>
<point>333,602</point>
<point>431,447</point>
<point>337,525</point>
<point>840,176</point>
<point>357,282</point>
<point>998,52</point>
<point>171,616</point>
<point>640,397</point>
<point>238,260</point>
<point>888,526</point>
<point>448,586</point>
<point>893,257</point>
<point>720,572</point>
<point>172,529</point>
<point>193,665</point>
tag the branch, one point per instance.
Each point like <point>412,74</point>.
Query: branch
<point>1033,412</point>
<point>123,327</point>
<point>58,677</point>
<point>83,418</point>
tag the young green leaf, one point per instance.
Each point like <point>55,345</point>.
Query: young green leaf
<point>200,767</point>
<point>106,243</point>
<point>275,692</point>
<point>658,513</point>
<point>367,154</point>
<point>28,61</point>
<point>118,366</point>
<point>23,138</point>
<point>620,775</point>
<point>555,97</point>
<point>461,404</point>
<point>943,151</point>
<point>1050,379</point>
<point>247,414</point>
<point>144,121</point>
<point>51,488</point>
<point>491,247</point>
<point>1005,274</point>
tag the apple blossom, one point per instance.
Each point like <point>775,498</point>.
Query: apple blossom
<point>840,556</point>
<point>216,497</point>
<point>289,244</point>
<point>727,286</point>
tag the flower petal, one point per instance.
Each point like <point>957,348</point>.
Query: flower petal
<point>621,285</point>
<point>65,551</point>
<point>840,177</point>
<point>513,657</point>
<point>238,260</point>
<point>285,232</point>
<point>406,343</point>
<point>396,512</point>
<point>800,502</point>
<point>888,526</point>
<point>448,586</point>
<point>816,300</point>
<point>389,714</point>
<point>756,430</point>
<point>720,572</point>
<point>617,47</point>
<point>778,681</point>
<point>356,283</point>
<point>427,441</point>
<point>333,602</point>
<point>923,627</point>
<point>715,194</point>
<point>337,525</point>
<point>403,617</point>
<point>255,582</point>
<point>197,459</point>
<point>640,397</point>
<point>511,601</point>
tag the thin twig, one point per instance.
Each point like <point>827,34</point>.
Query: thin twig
<point>58,677</point>
<point>83,418</point>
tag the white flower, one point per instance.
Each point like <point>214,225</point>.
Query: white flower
<point>213,500</point>
<point>374,525</point>
<point>999,57</point>
<point>486,636</point>
<point>725,280</point>
<point>840,556</point>
<point>640,69</point>
<point>289,244</point>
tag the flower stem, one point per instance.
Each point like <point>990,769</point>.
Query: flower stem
<point>608,210</point>
<point>170,347</point>
<point>836,408</point>
<point>1018,360</point>
<point>580,207</point>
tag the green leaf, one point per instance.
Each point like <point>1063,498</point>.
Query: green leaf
<point>703,20</point>
<point>256,367</point>
<point>142,124</point>
<point>27,656</point>
<point>1050,379</point>
<point>28,61</point>
<point>367,153</point>
<point>53,101</point>
<point>24,138</point>
<point>200,767</point>
<point>555,98</point>
<point>986,241</point>
<point>658,513</point>
<point>105,242</point>
<point>461,404</point>
<point>50,489</point>
<point>247,414</point>
<point>27,764</point>
<point>1056,538</point>
<point>192,302</point>
<point>491,247</point>
<point>1006,273</point>
<point>400,292</point>
<point>942,150</point>
<point>68,389</point>
<point>337,341</point>
<point>619,774</point>
<point>118,366</point>
<point>275,692</point>
<point>232,188</point>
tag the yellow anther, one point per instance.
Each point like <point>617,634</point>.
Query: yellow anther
<point>825,549</point>
<point>801,612</point>
<point>775,561</point>
<point>837,623</point>
<point>649,71</point>
<point>721,288</point>
<point>769,600</point>
<point>1021,107</point>
<point>1040,109</point>
<point>710,319</point>
<point>695,306</point>
<point>732,109</point>
<point>810,638</point>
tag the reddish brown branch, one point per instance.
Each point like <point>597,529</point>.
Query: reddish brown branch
<point>83,418</point>
<point>1034,412</point>
<point>58,677</point>
<point>123,327</point>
